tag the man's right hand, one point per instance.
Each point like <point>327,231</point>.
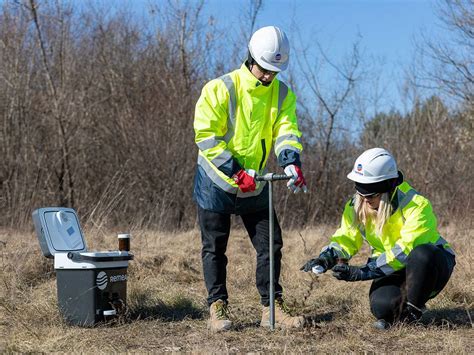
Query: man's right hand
<point>245,180</point>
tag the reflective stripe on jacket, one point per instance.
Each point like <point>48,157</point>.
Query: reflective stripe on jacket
<point>412,223</point>
<point>238,119</point>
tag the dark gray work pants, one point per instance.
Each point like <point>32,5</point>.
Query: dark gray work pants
<point>215,230</point>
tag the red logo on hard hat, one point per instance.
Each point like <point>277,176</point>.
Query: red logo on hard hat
<point>278,56</point>
<point>359,167</point>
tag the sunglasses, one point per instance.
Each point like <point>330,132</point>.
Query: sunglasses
<point>369,196</point>
<point>265,71</point>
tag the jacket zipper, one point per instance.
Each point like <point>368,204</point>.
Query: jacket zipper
<point>264,154</point>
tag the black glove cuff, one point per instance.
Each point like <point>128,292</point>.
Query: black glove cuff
<point>330,258</point>
<point>370,273</point>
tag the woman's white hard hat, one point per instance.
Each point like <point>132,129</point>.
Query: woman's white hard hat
<point>374,165</point>
<point>270,48</point>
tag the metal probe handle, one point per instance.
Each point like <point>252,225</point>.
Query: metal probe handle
<point>272,177</point>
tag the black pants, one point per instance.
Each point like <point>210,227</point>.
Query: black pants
<point>215,230</point>
<point>428,270</point>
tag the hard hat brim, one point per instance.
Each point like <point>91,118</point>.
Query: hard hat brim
<point>369,179</point>
<point>371,189</point>
<point>268,66</point>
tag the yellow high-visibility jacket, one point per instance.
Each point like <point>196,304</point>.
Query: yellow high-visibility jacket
<point>237,121</point>
<point>412,223</point>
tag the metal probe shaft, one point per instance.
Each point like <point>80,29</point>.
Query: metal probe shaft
<point>270,177</point>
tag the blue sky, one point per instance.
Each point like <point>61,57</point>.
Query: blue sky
<point>387,28</point>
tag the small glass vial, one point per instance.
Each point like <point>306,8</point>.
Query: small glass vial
<point>124,241</point>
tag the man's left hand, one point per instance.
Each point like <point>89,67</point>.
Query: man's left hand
<point>297,181</point>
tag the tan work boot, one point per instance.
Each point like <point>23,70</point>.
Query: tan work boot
<point>283,317</point>
<point>219,317</point>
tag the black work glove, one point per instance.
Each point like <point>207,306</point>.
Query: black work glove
<point>314,262</point>
<point>352,273</point>
<point>327,259</point>
<point>347,272</point>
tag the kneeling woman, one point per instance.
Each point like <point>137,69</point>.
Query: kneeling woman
<point>410,261</point>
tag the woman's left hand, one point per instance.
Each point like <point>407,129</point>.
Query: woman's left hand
<point>347,272</point>
<point>356,273</point>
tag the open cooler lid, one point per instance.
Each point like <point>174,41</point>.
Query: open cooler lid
<point>58,230</point>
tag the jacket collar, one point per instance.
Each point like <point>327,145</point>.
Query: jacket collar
<point>399,195</point>
<point>250,83</point>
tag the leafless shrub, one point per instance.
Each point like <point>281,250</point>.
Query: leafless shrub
<point>434,149</point>
<point>96,113</point>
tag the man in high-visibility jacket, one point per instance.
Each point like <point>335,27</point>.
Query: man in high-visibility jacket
<point>410,262</point>
<point>239,117</point>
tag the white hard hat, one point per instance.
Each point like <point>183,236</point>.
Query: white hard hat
<point>270,48</point>
<point>374,165</point>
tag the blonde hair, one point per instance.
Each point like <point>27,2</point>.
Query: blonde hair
<point>364,214</point>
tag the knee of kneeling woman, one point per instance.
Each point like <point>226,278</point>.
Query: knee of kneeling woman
<point>385,308</point>
<point>422,254</point>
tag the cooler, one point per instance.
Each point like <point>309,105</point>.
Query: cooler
<point>91,286</point>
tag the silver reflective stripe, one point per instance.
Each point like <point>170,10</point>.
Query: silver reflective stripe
<point>221,158</point>
<point>387,269</point>
<point>404,199</point>
<point>400,196</point>
<point>381,260</point>
<point>287,137</point>
<point>232,107</point>
<point>382,264</point>
<point>258,190</point>
<point>282,92</point>
<point>441,241</point>
<point>338,249</point>
<point>216,179</point>
<point>209,143</point>
<point>278,149</point>
<point>399,254</point>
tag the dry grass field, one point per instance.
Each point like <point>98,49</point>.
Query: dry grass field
<point>167,311</point>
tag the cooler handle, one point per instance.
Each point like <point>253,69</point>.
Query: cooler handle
<point>78,257</point>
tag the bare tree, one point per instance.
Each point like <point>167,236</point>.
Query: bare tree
<point>58,97</point>
<point>324,110</point>
<point>96,112</point>
<point>448,63</point>
<point>248,17</point>
<point>254,9</point>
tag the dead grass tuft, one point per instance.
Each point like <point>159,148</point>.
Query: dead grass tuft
<point>167,309</point>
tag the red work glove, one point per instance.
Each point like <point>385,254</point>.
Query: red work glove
<point>297,181</point>
<point>245,180</point>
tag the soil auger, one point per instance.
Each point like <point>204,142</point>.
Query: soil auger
<point>271,177</point>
